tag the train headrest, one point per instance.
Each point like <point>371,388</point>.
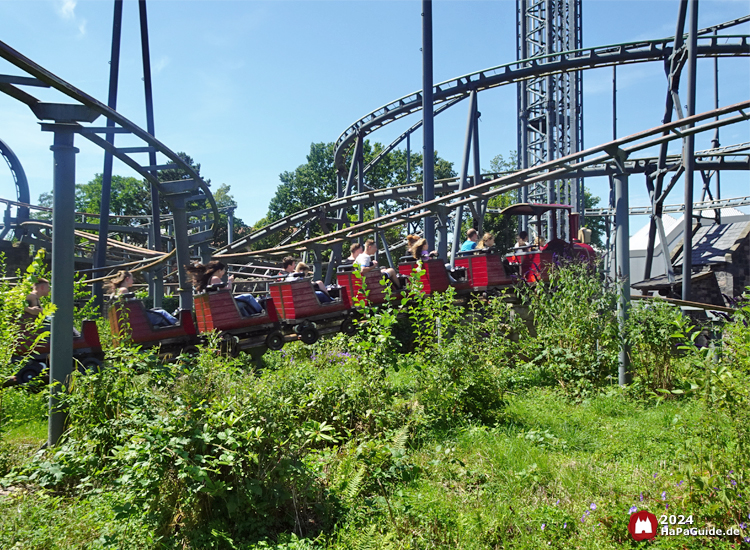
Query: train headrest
<point>348,268</point>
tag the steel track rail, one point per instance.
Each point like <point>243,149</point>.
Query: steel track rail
<point>46,78</point>
<point>674,130</point>
<point>400,193</point>
<point>587,58</point>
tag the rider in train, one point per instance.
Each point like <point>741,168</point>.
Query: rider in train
<point>212,274</point>
<point>120,284</point>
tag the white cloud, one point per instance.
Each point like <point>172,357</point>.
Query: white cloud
<point>161,64</point>
<point>66,8</point>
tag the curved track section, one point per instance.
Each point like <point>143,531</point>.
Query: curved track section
<point>22,185</point>
<point>296,223</point>
<point>558,168</point>
<point>196,189</point>
<point>509,73</point>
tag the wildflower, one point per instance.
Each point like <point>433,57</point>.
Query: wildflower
<point>583,518</point>
<point>743,525</point>
<point>593,506</point>
<point>664,495</point>
<point>655,475</point>
<point>731,471</point>
<point>667,507</point>
<point>641,497</point>
<point>680,482</point>
<point>565,525</point>
<point>558,502</point>
<point>543,525</point>
<point>734,483</point>
<point>633,509</point>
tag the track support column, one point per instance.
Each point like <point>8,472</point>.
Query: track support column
<point>622,256</point>
<point>428,164</point>
<point>63,243</point>
<point>181,242</point>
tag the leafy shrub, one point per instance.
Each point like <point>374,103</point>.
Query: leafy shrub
<point>577,334</point>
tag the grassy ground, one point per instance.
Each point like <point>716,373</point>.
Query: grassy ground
<point>556,475</point>
<point>551,474</point>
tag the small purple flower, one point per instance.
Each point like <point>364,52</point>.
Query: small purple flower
<point>633,509</point>
<point>543,526</point>
<point>641,497</point>
<point>731,471</point>
<point>680,482</point>
<point>655,475</point>
<point>558,502</point>
<point>664,495</point>
<point>565,525</point>
<point>593,506</point>
<point>747,539</point>
<point>667,507</point>
<point>583,519</point>
<point>734,483</point>
<point>743,525</point>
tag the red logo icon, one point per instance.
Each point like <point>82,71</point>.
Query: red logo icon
<point>642,525</point>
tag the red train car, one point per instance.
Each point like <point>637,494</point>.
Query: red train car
<point>347,278</point>
<point>87,353</point>
<point>435,277</point>
<point>128,320</point>
<point>218,310</point>
<point>533,263</point>
<point>484,270</point>
<point>300,310</point>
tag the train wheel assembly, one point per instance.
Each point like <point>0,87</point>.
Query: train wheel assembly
<point>90,365</point>
<point>29,371</point>
<point>275,340</point>
<point>229,345</point>
<point>309,334</point>
<point>349,327</point>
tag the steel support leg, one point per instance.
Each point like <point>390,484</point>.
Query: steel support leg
<point>114,70</point>
<point>688,153</point>
<point>179,216</point>
<point>622,254</point>
<point>63,243</point>
<point>427,118</point>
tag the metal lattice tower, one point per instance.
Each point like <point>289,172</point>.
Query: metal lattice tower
<point>550,107</point>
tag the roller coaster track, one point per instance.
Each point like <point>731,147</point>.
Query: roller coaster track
<point>192,189</point>
<point>22,185</point>
<point>705,160</point>
<point>557,168</point>
<point>448,93</point>
<point>586,58</point>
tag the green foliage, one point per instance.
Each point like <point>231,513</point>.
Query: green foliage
<point>315,181</point>
<point>12,304</point>
<point>488,428</point>
<point>577,336</point>
<point>656,330</point>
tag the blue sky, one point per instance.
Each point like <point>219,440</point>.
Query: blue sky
<point>244,87</point>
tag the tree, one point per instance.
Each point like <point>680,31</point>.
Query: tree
<point>130,196</point>
<point>315,181</point>
<point>224,199</point>
<point>504,228</point>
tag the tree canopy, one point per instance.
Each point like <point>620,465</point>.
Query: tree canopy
<point>130,196</point>
<point>315,181</point>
